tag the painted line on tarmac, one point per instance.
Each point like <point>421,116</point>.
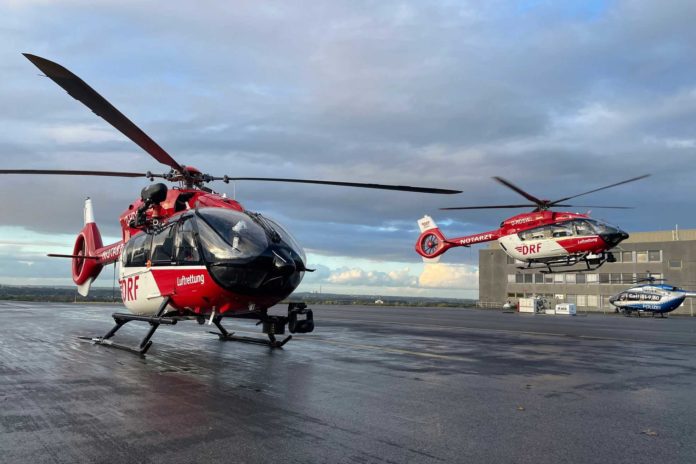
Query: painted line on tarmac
<point>363,346</point>
<point>397,350</point>
<point>514,332</point>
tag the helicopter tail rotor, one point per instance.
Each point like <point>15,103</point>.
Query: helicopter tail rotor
<point>431,243</point>
<point>84,268</point>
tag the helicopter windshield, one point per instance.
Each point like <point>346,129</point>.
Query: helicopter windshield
<point>226,234</point>
<point>287,238</point>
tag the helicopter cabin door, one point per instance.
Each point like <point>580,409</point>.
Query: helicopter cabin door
<point>138,288</point>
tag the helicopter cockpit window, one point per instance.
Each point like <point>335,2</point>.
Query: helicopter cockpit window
<point>561,230</point>
<point>137,250</point>
<point>186,252</point>
<point>163,247</point>
<point>583,227</point>
<point>538,233</point>
<point>227,234</point>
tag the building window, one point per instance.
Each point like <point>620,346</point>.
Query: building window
<point>627,278</point>
<point>675,263</point>
<point>641,256</point>
<point>570,278</point>
<point>603,278</point>
<point>592,278</point>
<point>548,278</point>
<point>519,279</point>
<point>580,279</point>
<point>511,278</point>
<point>511,295</point>
<point>571,299</point>
<point>593,301</point>
<point>528,278</point>
<point>558,278</point>
<point>615,278</point>
<point>655,256</point>
<point>582,300</point>
<point>627,256</point>
<point>539,278</point>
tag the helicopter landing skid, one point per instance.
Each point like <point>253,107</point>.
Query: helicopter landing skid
<point>272,326</point>
<point>300,319</point>
<point>122,318</point>
<point>550,266</point>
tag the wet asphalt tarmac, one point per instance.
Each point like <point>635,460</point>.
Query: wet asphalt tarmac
<point>370,385</point>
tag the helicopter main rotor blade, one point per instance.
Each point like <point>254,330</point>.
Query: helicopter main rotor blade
<point>79,90</point>
<point>489,207</point>
<point>556,202</point>
<point>78,173</point>
<point>532,198</point>
<point>403,188</point>
<point>594,206</point>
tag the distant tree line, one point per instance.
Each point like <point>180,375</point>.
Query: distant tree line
<point>108,295</point>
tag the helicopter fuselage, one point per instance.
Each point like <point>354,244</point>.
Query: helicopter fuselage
<point>199,249</point>
<point>543,237</point>
<point>652,298</point>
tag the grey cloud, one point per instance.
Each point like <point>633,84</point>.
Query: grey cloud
<point>437,94</point>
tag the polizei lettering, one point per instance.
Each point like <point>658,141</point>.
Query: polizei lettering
<point>476,239</point>
<point>190,280</point>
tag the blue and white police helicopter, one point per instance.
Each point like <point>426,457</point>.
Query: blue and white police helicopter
<point>651,297</point>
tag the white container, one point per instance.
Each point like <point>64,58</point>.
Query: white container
<point>527,305</point>
<point>566,308</point>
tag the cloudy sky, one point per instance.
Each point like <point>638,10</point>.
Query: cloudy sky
<point>558,97</point>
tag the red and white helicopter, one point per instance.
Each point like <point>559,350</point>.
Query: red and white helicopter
<point>540,239</point>
<point>188,252</point>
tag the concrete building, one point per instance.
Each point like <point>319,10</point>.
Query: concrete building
<point>669,254</point>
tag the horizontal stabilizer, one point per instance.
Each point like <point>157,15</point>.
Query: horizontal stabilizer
<point>54,255</point>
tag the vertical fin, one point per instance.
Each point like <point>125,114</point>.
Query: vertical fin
<point>89,212</point>
<point>426,223</point>
<point>83,289</point>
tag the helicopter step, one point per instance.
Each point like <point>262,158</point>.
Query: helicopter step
<point>123,318</point>
<point>299,320</point>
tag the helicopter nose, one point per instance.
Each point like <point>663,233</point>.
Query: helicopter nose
<point>614,238</point>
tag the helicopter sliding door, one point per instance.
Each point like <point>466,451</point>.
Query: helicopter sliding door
<point>164,263</point>
<point>536,244</point>
<point>138,287</point>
